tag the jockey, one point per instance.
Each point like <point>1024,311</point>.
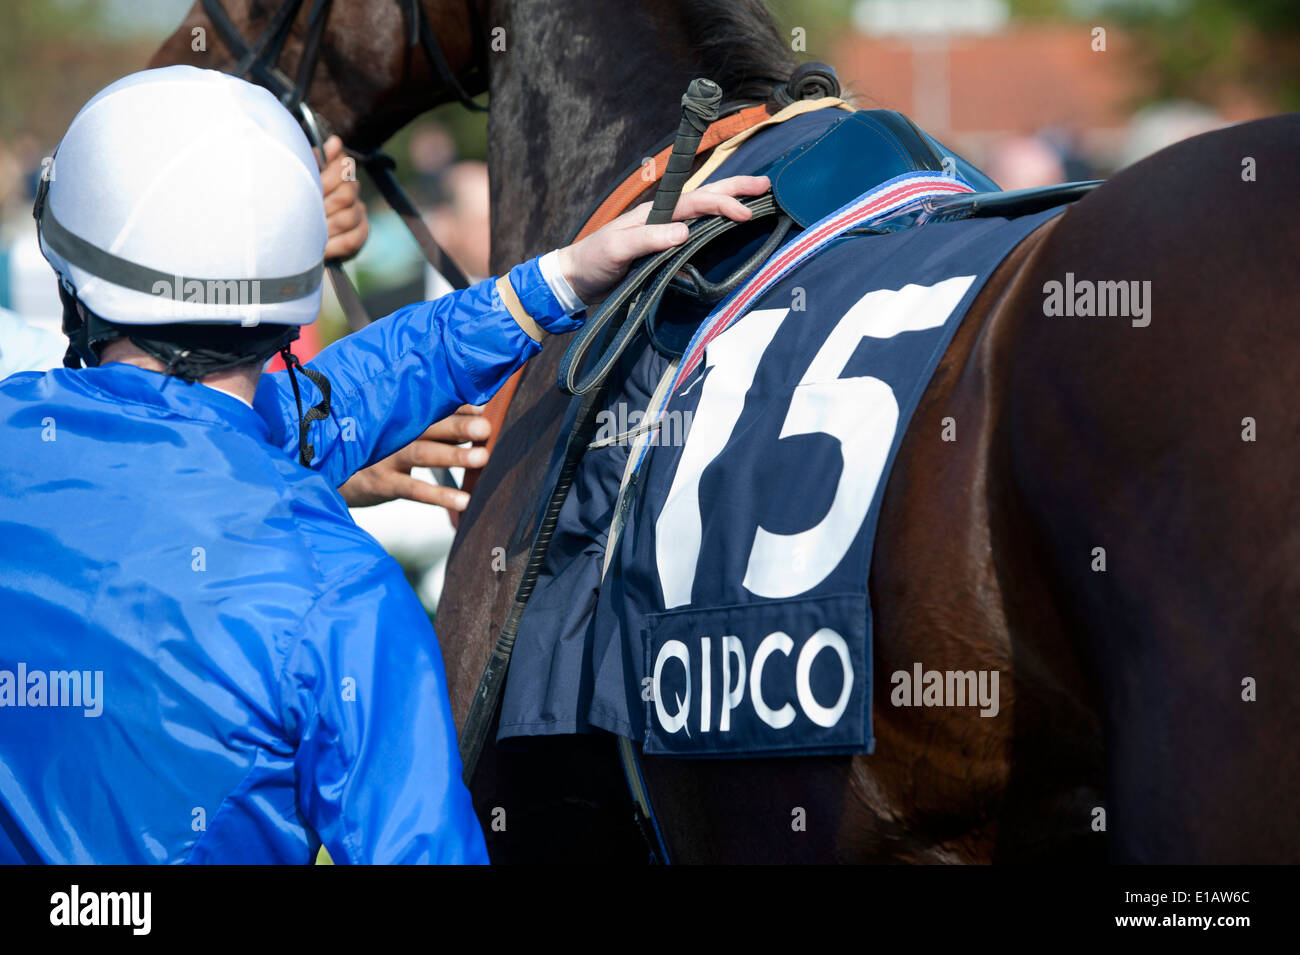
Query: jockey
<point>203,659</point>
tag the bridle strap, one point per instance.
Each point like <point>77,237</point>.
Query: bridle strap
<point>422,31</point>
<point>266,50</point>
<point>258,61</point>
<point>380,168</point>
<point>316,20</point>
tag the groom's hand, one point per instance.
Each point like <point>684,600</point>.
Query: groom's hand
<point>598,262</point>
<point>345,213</point>
<point>438,447</point>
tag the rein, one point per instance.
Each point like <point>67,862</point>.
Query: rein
<point>259,61</point>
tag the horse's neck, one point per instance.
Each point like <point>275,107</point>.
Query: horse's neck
<point>583,91</point>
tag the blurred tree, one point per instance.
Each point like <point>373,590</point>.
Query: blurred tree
<point>823,23</point>
<point>1197,47</point>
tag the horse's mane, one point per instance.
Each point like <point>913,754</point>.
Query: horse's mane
<point>740,44</point>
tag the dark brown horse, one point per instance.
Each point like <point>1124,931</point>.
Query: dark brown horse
<point>1159,689</point>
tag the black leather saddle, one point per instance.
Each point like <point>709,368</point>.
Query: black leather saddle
<point>667,295</point>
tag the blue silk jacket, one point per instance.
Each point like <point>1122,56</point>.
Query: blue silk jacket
<point>202,657</point>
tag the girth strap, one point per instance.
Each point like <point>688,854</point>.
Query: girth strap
<point>380,167</point>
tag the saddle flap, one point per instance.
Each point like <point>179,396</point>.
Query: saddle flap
<point>858,153</point>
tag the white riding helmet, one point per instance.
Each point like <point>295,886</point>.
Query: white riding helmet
<point>181,195</point>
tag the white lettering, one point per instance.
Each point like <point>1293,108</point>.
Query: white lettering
<point>823,715</point>
<point>777,719</point>
<point>672,649</point>
<point>731,698</point>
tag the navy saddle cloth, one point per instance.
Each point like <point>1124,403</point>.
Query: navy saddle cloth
<point>810,178</point>
<point>591,646</point>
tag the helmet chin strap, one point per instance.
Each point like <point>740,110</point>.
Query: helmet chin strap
<point>186,356</point>
<point>317,412</point>
<point>85,330</point>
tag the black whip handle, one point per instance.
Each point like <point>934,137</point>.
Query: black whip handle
<point>699,108</point>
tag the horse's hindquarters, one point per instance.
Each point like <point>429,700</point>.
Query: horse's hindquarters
<point>1154,451</point>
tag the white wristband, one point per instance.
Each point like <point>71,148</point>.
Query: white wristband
<point>559,285</point>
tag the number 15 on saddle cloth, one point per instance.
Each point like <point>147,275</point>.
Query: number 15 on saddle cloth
<point>730,614</point>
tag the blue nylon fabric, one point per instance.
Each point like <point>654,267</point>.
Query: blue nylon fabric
<point>375,411</point>
<point>586,647</point>
<point>269,680</point>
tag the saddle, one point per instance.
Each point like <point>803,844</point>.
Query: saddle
<point>669,294</point>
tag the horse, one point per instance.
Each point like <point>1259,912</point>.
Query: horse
<point>1146,712</point>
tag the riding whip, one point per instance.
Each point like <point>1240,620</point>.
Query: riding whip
<point>699,108</point>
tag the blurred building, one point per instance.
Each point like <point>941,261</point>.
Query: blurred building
<point>973,76</point>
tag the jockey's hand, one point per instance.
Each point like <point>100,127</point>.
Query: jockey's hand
<point>345,213</point>
<point>598,262</point>
<point>390,478</point>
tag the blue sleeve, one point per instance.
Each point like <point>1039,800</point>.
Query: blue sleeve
<point>391,380</point>
<point>365,699</point>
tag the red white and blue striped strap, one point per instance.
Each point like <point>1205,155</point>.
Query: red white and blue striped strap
<point>888,199</point>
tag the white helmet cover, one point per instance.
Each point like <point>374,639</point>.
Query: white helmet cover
<point>186,195</point>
